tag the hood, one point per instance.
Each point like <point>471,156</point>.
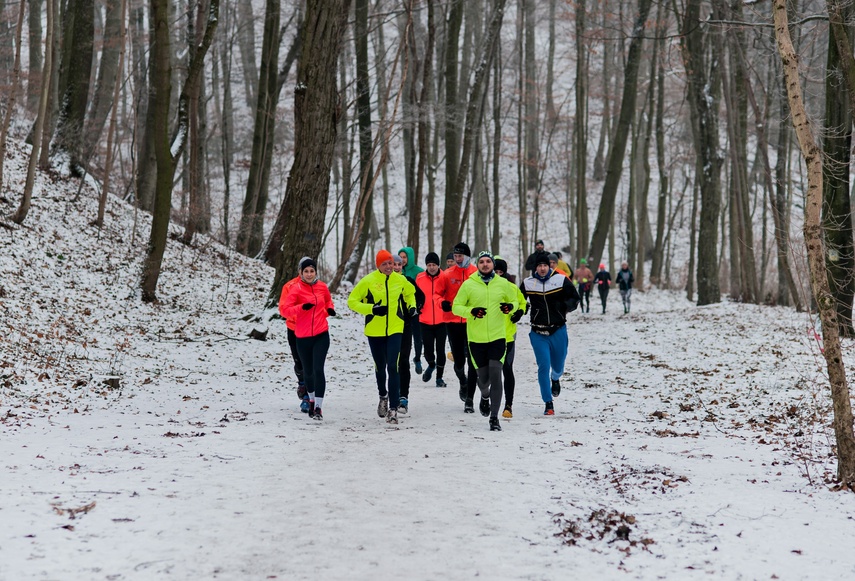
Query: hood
<point>411,269</point>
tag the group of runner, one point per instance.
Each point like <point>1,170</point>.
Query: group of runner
<point>474,304</point>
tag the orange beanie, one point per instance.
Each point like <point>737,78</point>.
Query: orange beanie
<point>382,256</point>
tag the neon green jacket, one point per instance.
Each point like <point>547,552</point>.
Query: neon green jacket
<point>474,292</point>
<point>376,288</point>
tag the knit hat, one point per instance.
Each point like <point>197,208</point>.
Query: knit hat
<point>541,258</point>
<point>382,256</point>
<point>432,258</point>
<point>552,256</point>
<point>487,254</point>
<point>300,264</point>
<point>306,263</point>
<point>397,259</point>
<point>539,242</point>
<point>583,261</point>
<point>500,264</point>
<point>602,267</point>
<point>449,256</point>
<point>462,248</point>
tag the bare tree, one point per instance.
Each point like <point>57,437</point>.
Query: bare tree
<point>34,77</point>
<point>13,92</point>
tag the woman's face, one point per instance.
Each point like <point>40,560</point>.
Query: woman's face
<point>309,274</point>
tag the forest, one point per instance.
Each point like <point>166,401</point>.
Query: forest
<point>707,142</point>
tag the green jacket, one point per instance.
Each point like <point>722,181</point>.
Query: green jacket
<point>474,292</point>
<point>412,269</point>
<point>376,288</point>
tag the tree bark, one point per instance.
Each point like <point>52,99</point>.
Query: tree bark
<point>246,43</point>
<point>13,91</point>
<point>453,196</point>
<point>34,78</point>
<point>580,133</point>
<point>826,302</point>
<point>108,72</point>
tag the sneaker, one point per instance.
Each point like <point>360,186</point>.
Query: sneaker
<point>469,407</point>
<point>403,406</point>
<point>311,409</point>
<point>495,426</point>
<point>462,392</point>
<point>484,407</point>
<point>318,415</point>
<point>392,417</point>
<point>556,388</point>
<point>418,363</point>
<point>427,374</point>
<point>383,407</point>
<point>549,411</point>
<point>440,382</point>
<point>304,405</point>
<point>301,390</point>
<point>507,413</point>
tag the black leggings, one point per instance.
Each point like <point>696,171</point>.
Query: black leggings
<point>585,297</point>
<point>433,337</point>
<point>604,295</point>
<point>404,360</point>
<point>488,357</point>
<point>386,351</point>
<point>298,365</point>
<point>508,373</point>
<point>460,350</point>
<point>313,354</point>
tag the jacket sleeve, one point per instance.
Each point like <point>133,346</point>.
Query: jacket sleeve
<point>290,309</point>
<point>420,298</point>
<point>410,291</point>
<point>356,298</point>
<point>529,262</point>
<point>571,295</point>
<point>282,298</point>
<point>460,306</point>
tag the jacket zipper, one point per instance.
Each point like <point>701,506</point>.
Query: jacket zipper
<point>388,305</point>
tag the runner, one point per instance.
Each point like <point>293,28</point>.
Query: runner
<point>411,270</point>
<point>432,319</point>
<point>290,324</point>
<point>372,296</point>
<point>487,301</point>
<point>453,277</point>
<point>625,279</point>
<point>604,281</point>
<point>584,278</point>
<point>309,303</point>
<point>406,337</point>
<point>509,383</point>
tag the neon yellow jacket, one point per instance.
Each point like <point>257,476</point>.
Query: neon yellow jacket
<point>376,288</point>
<point>474,292</point>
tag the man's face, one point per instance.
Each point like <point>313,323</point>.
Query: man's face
<point>459,258</point>
<point>397,266</point>
<point>485,265</point>
<point>432,268</point>
<point>539,246</point>
<point>386,267</point>
<point>404,257</point>
<point>624,265</point>
<point>542,269</point>
<point>449,262</point>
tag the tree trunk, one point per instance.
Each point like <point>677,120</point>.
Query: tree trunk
<point>530,96</point>
<point>315,126</point>
<point>13,91</point>
<point>580,133</point>
<point>551,113</point>
<point>251,233</point>
<point>69,137</point>
<point>146,178</point>
<point>599,162</point>
<point>453,197</point>
<point>53,91</point>
<point>24,207</point>
<point>826,302</point>
<point>246,43</point>
<point>424,103</point>
<point>617,149</point>
<point>664,177</point>
<point>108,72</point>
<point>34,77</point>
<point>496,238</point>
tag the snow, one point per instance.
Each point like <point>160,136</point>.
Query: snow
<point>706,431</point>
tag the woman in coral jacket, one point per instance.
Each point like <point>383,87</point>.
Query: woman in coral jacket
<point>309,303</point>
<point>292,339</point>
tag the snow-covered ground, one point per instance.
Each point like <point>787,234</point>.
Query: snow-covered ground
<point>688,443</point>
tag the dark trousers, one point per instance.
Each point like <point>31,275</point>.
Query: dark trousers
<point>298,364</point>
<point>404,360</point>
<point>488,359</point>
<point>508,373</point>
<point>313,353</point>
<point>585,297</point>
<point>460,350</point>
<point>417,339</point>
<point>386,351</point>
<point>434,343</point>
<point>604,294</point>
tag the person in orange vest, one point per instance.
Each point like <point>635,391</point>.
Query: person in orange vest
<point>432,318</point>
<point>453,277</point>
<point>309,303</point>
<point>584,278</point>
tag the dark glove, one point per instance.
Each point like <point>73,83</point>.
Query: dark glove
<point>331,312</point>
<point>380,310</point>
<point>505,307</point>
<point>446,306</point>
<point>413,312</point>
<point>515,318</point>
<point>308,307</point>
<point>478,312</point>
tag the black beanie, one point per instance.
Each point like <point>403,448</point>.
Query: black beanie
<point>462,248</point>
<point>541,258</point>
<point>304,264</point>
<point>432,258</point>
<point>449,256</point>
<point>500,264</point>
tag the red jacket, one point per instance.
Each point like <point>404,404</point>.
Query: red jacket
<point>286,288</point>
<point>308,322</point>
<point>433,288</point>
<point>453,278</point>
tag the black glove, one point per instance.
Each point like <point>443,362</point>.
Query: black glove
<point>413,312</point>
<point>505,307</point>
<point>380,310</point>
<point>478,312</point>
<point>331,312</point>
<point>446,306</point>
<point>515,318</point>
<point>308,307</point>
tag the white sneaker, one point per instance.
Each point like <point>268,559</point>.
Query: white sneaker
<point>383,407</point>
<point>392,417</point>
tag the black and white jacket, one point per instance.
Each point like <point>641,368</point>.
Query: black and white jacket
<point>550,301</point>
